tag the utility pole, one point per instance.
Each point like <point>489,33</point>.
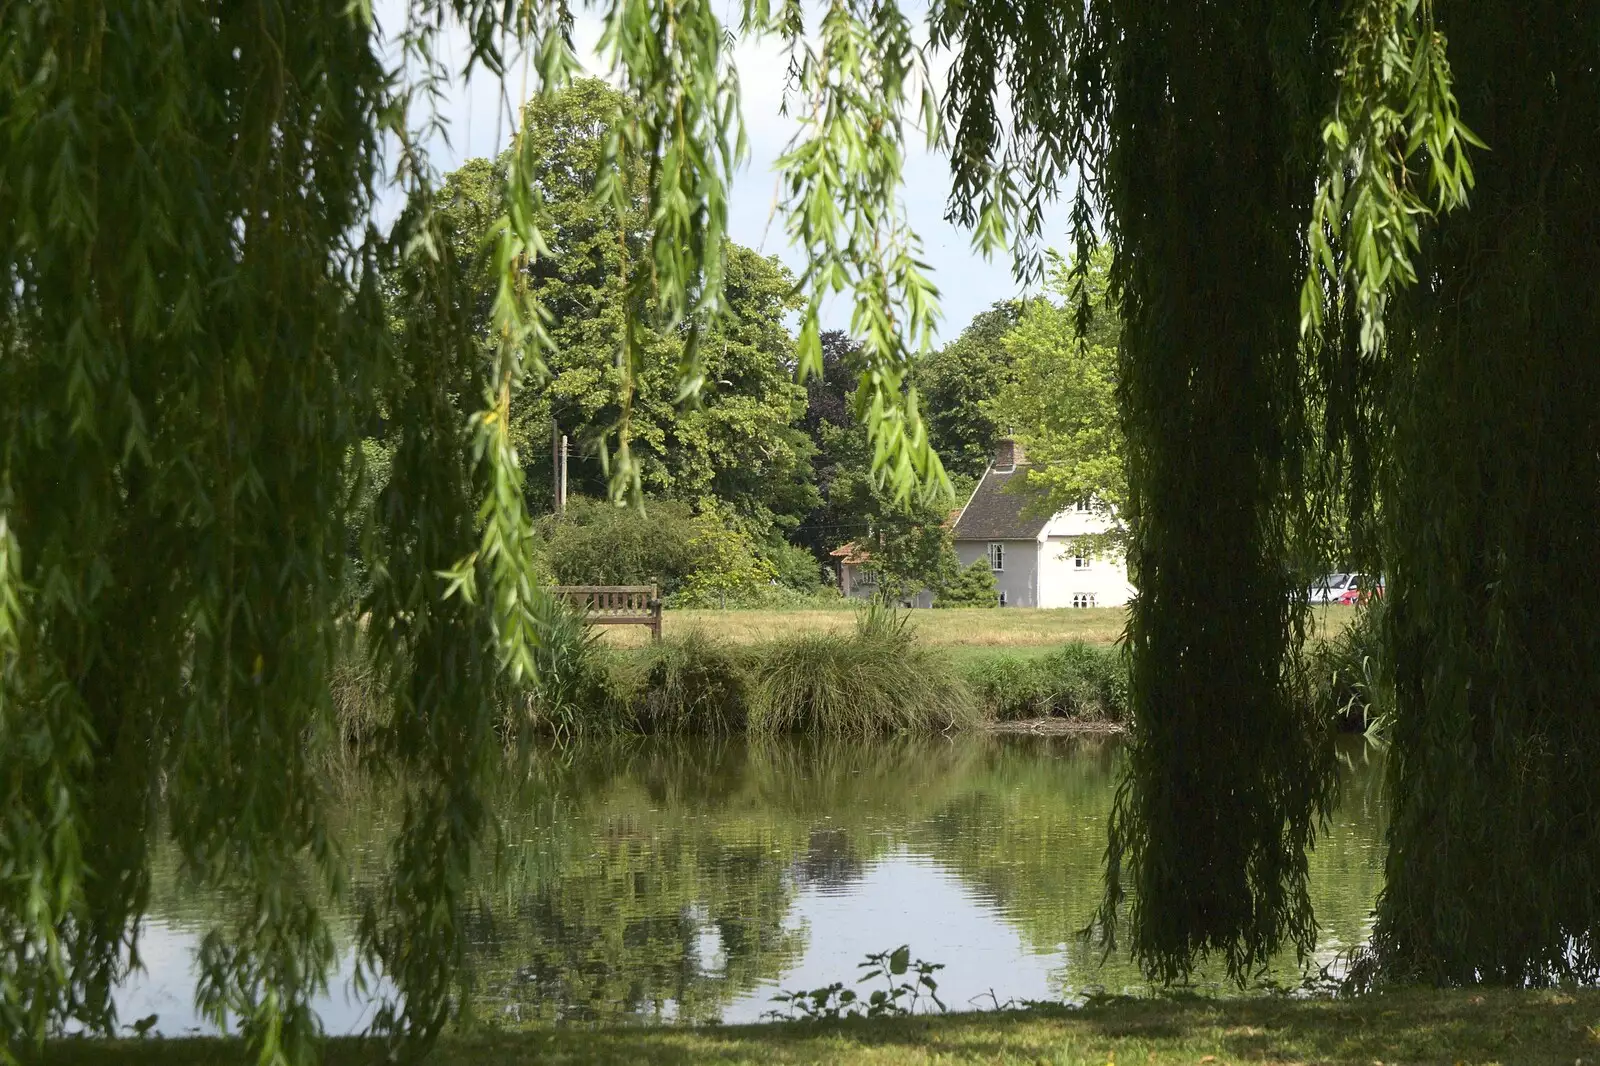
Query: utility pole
<point>558,467</point>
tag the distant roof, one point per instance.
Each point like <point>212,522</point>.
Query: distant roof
<point>994,514</point>
<point>850,553</point>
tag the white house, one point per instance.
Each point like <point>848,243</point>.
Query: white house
<point>1035,561</point>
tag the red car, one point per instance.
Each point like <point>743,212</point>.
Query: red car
<point>1360,589</point>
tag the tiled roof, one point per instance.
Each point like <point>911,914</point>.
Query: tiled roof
<point>995,514</point>
<point>850,553</point>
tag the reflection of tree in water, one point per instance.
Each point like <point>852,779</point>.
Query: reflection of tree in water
<point>677,924</point>
<point>1029,835</point>
<point>655,879</point>
<point>830,861</point>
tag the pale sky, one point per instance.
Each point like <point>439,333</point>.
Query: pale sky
<point>479,126</point>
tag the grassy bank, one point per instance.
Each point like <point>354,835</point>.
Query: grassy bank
<point>724,672</point>
<point>1532,1028</point>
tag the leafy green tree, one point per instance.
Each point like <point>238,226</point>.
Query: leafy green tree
<point>959,383</point>
<point>909,547</point>
<point>738,442</point>
<point>974,586</point>
<point>1062,395</point>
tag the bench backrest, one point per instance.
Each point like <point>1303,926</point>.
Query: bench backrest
<point>616,604</point>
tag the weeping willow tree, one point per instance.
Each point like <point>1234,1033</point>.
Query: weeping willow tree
<point>1204,183</point>
<point>200,322</point>
<point>1489,493</point>
<point>194,340</point>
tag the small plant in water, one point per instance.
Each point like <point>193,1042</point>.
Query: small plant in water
<point>907,982</point>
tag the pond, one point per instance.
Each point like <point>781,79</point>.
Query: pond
<point>689,881</point>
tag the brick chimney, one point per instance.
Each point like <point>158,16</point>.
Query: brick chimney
<point>1008,454</point>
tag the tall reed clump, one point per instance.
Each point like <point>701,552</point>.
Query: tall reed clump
<point>691,684</point>
<point>575,690</point>
<point>1078,680</point>
<point>361,701</point>
<point>1348,675</point>
<point>874,680</point>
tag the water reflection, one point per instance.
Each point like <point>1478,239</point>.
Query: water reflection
<point>688,880</point>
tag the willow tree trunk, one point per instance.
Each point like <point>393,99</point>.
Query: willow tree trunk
<point>1493,505</point>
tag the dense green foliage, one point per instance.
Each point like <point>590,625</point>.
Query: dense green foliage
<point>974,586</point>
<point>908,544</point>
<point>696,559</point>
<point>738,443</point>
<point>1231,151</point>
<point>1061,396</point>
<point>1487,452</point>
<point>957,383</point>
<point>1079,681</point>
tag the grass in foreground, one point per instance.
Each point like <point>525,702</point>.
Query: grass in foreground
<point>1471,1027</point>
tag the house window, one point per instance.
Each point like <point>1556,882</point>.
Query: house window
<point>1083,506</point>
<point>866,576</point>
<point>1080,562</point>
<point>997,557</point>
<point>1083,599</point>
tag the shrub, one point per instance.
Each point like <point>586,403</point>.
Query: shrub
<point>595,543</point>
<point>696,560</point>
<point>1346,674</point>
<point>575,690</point>
<point>796,568</point>
<point>726,567</point>
<point>691,684</point>
<point>874,680</point>
<point>973,587</point>
<point>1078,680</point>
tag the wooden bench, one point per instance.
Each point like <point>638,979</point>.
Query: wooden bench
<point>616,605</point>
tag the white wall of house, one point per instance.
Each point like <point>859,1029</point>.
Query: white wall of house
<point>1069,578</point>
<point>1018,576</point>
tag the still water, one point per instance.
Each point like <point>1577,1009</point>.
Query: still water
<point>673,881</point>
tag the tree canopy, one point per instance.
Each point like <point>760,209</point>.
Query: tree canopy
<point>1061,394</point>
<point>197,334</point>
<point>739,442</point>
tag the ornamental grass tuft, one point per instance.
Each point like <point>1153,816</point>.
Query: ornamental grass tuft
<point>874,680</point>
<point>692,684</point>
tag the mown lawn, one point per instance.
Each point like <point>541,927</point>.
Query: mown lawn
<point>1533,1028</point>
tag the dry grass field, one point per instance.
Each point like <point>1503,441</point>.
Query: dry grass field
<point>998,629</point>
<point>1011,627</point>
